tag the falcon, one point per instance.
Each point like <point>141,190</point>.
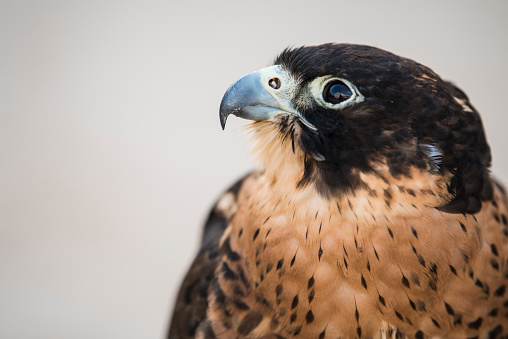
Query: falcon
<point>372,213</point>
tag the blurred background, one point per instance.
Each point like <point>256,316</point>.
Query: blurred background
<point>111,152</point>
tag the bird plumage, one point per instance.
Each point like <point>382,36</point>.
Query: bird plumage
<point>372,214</point>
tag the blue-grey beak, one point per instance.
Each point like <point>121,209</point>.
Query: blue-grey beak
<point>247,99</point>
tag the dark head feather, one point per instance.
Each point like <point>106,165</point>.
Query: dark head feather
<point>406,105</point>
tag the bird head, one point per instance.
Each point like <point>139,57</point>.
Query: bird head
<point>330,116</point>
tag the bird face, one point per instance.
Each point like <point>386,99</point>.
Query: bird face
<point>345,111</point>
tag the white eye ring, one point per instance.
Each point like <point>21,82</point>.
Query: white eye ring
<point>318,85</point>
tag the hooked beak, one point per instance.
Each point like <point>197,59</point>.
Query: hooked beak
<point>257,96</point>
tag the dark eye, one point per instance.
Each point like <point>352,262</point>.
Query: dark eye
<point>336,92</point>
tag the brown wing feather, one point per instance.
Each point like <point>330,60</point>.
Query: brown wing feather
<point>191,303</point>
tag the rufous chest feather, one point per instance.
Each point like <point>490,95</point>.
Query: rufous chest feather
<point>308,259</point>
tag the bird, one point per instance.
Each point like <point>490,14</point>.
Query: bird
<point>371,213</point>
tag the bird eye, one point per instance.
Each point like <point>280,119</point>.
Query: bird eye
<point>336,91</point>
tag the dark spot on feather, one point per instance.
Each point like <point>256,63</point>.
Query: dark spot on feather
<point>217,291</point>
<point>435,322</point>
<point>322,335</point>
<point>433,284</point>
<point>485,288</point>
<point>433,268</point>
<point>494,264</point>
<point>421,260</point>
<point>405,282</point>
<point>454,271</point>
<point>256,233</point>
<point>292,261</point>
<point>292,318</point>
<point>359,331</point>
<point>475,324</point>
<point>500,291</point>
<point>345,263</point>
<point>504,219</point>
<point>296,331</point>
<point>449,309</point>
<point>269,267</point>
<point>419,335</point>
<point>375,252</point>
<point>357,315</point>
<point>414,232</point>
<point>390,231</point>
<point>364,283</point>
<point>311,295</point>
<point>320,253</point>
<point>264,301</point>
<point>368,266</point>
<point>382,300</point>
<point>250,322</point>
<point>388,194</point>
<point>241,305</point>
<point>493,248</point>
<point>238,291</point>
<point>413,306</point>
<point>267,233</point>
<point>493,312</point>
<point>278,289</point>
<point>295,302</point>
<point>280,263</point>
<point>457,320</point>
<point>399,315</point>
<point>463,227</point>
<point>309,317</point>
<point>496,332</point>
<point>227,272</point>
<point>232,255</point>
<point>464,255</point>
<point>243,278</point>
<point>310,283</point>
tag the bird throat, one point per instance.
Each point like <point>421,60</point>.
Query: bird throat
<point>285,169</point>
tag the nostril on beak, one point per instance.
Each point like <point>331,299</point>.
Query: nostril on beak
<point>274,83</point>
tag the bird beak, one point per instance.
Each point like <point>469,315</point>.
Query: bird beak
<point>260,95</point>
<point>247,99</point>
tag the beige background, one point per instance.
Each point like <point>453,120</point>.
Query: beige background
<point>111,152</point>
